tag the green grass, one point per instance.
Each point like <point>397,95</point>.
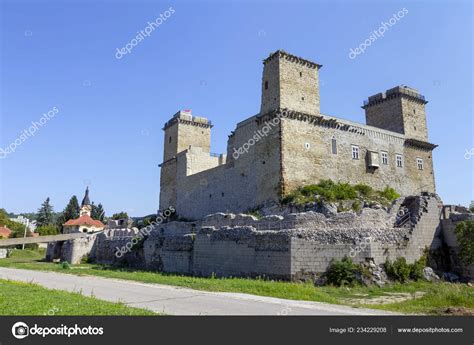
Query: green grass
<point>17,298</point>
<point>438,296</point>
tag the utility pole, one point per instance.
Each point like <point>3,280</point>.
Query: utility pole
<point>24,235</point>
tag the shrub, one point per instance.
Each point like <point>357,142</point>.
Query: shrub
<point>310,190</point>
<point>343,272</point>
<point>465,237</point>
<point>65,265</point>
<point>85,260</point>
<point>389,193</point>
<point>399,270</point>
<point>344,191</point>
<point>356,206</point>
<point>363,189</point>
<point>49,229</point>
<point>329,191</point>
<point>416,269</point>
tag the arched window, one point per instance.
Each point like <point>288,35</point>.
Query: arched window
<point>266,85</point>
<point>334,145</point>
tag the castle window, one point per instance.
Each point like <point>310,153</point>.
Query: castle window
<point>301,74</point>
<point>384,158</point>
<point>222,194</point>
<point>302,98</point>
<point>266,85</point>
<point>307,146</point>
<point>399,161</point>
<point>414,127</point>
<point>355,152</point>
<point>169,140</point>
<point>210,196</point>
<point>419,163</point>
<point>334,146</point>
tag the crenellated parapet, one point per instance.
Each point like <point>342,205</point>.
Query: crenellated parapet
<point>186,118</point>
<point>396,92</point>
<point>291,58</point>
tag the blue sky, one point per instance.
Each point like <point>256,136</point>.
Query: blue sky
<point>207,56</point>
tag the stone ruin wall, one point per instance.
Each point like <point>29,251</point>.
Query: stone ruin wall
<point>296,246</point>
<point>451,216</point>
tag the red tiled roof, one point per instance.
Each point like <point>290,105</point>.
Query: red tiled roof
<point>84,220</point>
<point>5,232</point>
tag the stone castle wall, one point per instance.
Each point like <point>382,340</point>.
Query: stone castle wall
<point>449,221</point>
<point>240,184</point>
<point>297,150</point>
<point>308,158</point>
<point>297,246</point>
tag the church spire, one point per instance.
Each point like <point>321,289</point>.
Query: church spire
<point>86,207</point>
<point>86,200</point>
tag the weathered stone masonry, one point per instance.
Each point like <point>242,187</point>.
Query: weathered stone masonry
<point>304,147</point>
<point>301,245</point>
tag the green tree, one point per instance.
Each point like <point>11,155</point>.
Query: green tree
<point>471,207</point>
<point>49,229</point>
<point>465,238</point>
<point>119,215</point>
<point>97,212</point>
<point>3,217</point>
<point>17,229</point>
<point>72,209</point>
<point>45,214</point>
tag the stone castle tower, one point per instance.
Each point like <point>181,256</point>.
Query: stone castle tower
<point>182,132</point>
<point>290,82</point>
<point>400,109</point>
<point>290,143</point>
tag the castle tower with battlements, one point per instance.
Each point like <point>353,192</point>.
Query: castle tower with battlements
<point>289,143</point>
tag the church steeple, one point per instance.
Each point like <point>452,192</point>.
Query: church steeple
<point>86,200</point>
<point>86,207</point>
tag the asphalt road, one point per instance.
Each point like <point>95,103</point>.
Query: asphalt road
<point>179,301</point>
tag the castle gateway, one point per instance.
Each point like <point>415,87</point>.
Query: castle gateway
<point>289,143</point>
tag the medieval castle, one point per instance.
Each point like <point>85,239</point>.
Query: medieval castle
<point>289,143</point>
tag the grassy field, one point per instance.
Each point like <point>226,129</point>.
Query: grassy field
<point>17,298</point>
<point>415,297</point>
